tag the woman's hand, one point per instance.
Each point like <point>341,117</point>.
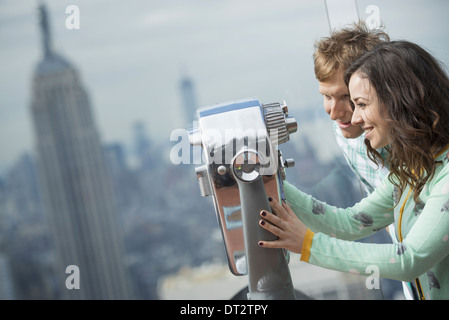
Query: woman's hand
<point>284,224</point>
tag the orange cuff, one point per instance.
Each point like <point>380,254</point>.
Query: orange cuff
<point>306,245</point>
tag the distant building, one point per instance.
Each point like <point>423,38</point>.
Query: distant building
<point>189,100</point>
<point>77,189</point>
<point>6,285</point>
<point>190,105</point>
<point>143,147</point>
<point>23,190</point>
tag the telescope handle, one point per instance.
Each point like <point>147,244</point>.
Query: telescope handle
<point>268,272</point>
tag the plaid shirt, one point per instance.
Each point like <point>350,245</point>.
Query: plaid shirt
<point>354,151</point>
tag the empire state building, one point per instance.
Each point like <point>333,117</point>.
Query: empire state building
<point>77,189</point>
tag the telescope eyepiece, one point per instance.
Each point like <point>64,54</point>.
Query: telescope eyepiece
<point>246,166</point>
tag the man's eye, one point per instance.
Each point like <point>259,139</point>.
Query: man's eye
<point>327,97</point>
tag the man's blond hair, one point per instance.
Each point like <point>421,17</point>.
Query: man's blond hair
<point>343,47</point>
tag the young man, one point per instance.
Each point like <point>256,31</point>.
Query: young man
<point>332,56</point>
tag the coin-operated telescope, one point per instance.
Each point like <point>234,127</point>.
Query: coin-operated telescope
<point>242,168</point>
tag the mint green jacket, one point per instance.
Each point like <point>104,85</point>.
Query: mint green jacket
<point>422,227</point>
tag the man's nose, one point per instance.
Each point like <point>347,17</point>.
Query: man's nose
<point>337,111</point>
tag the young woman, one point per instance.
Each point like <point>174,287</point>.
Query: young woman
<point>400,95</point>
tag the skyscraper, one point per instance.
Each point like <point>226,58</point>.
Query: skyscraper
<point>77,190</point>
<point>143,148</point>
<point>190,105</point>
<point>188,99</point>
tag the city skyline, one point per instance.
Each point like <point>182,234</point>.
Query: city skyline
<point>166,223</point>
<point>133,55</point>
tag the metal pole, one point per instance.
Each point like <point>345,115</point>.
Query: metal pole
<point>268,273</point>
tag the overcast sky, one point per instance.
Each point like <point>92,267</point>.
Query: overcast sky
<point>131,55</point>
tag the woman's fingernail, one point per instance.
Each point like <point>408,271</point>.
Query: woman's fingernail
<point>263,213</point>
<point>262,222</point>
<point>260,243</point>
<point>270,199</point>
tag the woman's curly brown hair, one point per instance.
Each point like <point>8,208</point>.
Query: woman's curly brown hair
<point>413,91</point>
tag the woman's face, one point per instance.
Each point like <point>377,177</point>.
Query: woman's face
<point>367,111</point>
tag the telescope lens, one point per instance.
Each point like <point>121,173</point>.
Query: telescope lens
<point>247,166</point>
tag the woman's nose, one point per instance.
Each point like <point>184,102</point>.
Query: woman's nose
<point>356,118</point>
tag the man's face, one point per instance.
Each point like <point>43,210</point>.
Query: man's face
<point>337,105</point>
